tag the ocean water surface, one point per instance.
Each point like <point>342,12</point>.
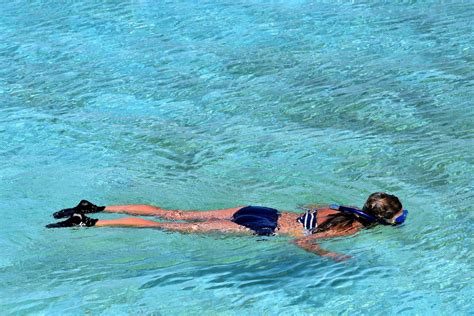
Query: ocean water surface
<point>221,103</point>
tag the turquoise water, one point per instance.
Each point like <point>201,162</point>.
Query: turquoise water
<point>213,105</point>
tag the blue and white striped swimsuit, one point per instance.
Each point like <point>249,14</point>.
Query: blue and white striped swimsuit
<point>309,221</point>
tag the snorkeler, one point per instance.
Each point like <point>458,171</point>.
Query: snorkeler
<point>315,223</point>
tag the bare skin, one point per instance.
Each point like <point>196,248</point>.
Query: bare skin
<point>220,220</point>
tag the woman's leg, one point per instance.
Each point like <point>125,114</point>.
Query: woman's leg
<point>197,227</point>
<point>149,210</point>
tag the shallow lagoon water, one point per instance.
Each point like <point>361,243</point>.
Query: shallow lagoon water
<point>213,105</point>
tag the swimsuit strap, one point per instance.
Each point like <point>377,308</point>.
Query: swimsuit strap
<point>309,221</point>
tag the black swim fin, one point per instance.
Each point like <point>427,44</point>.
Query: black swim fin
<point>84,207</point>
<point>76,219</point>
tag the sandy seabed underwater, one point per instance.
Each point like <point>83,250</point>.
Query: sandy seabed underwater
<point>221,103</point>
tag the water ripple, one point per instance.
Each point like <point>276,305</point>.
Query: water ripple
<point>205,105</point>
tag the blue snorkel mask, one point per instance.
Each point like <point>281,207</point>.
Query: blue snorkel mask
<point>345,209</point>
<point>400,219</point>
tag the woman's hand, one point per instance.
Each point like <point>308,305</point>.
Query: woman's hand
<point>337,256</point>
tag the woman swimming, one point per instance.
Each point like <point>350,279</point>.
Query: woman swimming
<point>323,222</point>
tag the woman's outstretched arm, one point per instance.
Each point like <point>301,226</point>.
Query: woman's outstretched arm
<point>309,244</point>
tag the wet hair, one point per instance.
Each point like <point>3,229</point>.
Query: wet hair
<point>381,205</point>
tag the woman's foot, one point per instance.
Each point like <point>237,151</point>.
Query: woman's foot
<point>76,219</point>
<point>84,207</point>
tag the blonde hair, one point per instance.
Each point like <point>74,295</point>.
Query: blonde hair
<point>381,205</point>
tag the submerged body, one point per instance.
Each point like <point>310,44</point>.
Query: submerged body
<point>325,222</point>
<point>220,220</point>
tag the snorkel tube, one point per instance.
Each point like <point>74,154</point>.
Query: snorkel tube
<point>351,210</point>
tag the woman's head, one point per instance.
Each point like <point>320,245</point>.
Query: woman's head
<point>386,208</point>
<point>382,205</point>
